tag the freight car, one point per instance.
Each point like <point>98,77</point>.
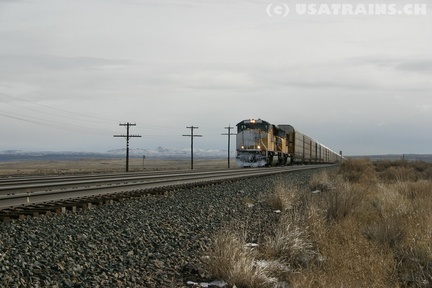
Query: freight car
<point>260,143</point>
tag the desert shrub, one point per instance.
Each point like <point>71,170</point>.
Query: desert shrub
<point>291,201</point>
<point>347,259</point>
<point>404,225</point>
<point>341,201</point>
<point>394,170</point>
<point>419,220</point>
<point>427,174</point>
<point>391,200</point>
<point>421,190</point>
<point>338,197</point>
<point>399,174</point>
<point>423,170</point>
<point>414,266</point>
<point>289,244</point>
<point>322,181</point>
<point>382,165</point>
<point>282,198</point>
<point>358,171</point>
<point>414,256</point>
<point>412,200</point>
<point>232,261</point>
<point>420,166</point>
<point>387,232</point>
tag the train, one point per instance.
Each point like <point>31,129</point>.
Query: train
<point>260,144</point>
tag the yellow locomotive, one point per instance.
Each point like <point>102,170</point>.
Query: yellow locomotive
<point>260,143</point>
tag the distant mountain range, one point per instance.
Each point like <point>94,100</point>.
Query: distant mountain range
<point>408,157</point>
<point>157,153</point>
<point>163,153</point>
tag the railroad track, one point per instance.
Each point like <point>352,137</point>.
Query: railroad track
<point>36,195</point>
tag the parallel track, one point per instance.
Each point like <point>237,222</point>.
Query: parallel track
<point>20,196</point>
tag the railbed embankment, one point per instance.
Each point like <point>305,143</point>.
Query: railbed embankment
<point>142,242</point>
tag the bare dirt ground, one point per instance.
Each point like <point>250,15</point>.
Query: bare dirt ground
<point>86,166</point>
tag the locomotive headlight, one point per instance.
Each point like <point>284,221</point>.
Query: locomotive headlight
<point>242,147</point>
<point>259,147</point>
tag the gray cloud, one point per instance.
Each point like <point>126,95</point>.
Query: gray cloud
<point>422,66</point>
<point>75,70</point>
<point>26,63</point>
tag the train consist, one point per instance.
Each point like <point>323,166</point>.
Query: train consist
<point>260,143</point>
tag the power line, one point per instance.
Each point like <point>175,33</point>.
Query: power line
<point>192,136</point>
<point>53,124</point>
<point>229,144</point>
<point>105,120</point>
<point>127,136</point>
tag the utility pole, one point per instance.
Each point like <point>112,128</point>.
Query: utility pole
<point>127,136</point>
<point>143,161</point>
<point>229,143</point>
<point>192,136</point>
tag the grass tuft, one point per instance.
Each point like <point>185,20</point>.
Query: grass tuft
<point>282,198</point>
<point>358,171</point>
<point>414,266</point>
<point>290,244</point>
<point>321,182</point>
<point>342,200</point>
<point>387,232</point>
<point>232,261</point>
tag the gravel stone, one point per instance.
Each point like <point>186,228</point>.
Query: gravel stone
<point>152,241</point>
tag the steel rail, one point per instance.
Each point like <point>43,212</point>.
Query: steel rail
<point>67,182</point>
<point>18,180</point>
<point>157,181</point>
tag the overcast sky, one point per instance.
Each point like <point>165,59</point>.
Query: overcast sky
<point>71,71</point>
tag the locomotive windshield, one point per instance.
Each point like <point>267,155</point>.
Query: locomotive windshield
<point>244,126</point>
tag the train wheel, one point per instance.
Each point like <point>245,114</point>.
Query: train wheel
<point>269,161</point>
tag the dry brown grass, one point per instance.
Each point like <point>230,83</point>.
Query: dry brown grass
<point>321,182</point>
<point>282,198</point>
<point>290,245</point>
<point>231,260</point>
<point>358,171</point>
<point>347,259</point>
<point>339,202</point>
<point>369,226</point>
<point>392,171</point>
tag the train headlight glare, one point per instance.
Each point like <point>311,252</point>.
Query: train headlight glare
<point>259,147</point>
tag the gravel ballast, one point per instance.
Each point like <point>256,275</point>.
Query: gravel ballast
<point>141,242</point>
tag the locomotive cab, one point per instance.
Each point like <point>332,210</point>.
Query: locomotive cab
<point>257,143</point>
